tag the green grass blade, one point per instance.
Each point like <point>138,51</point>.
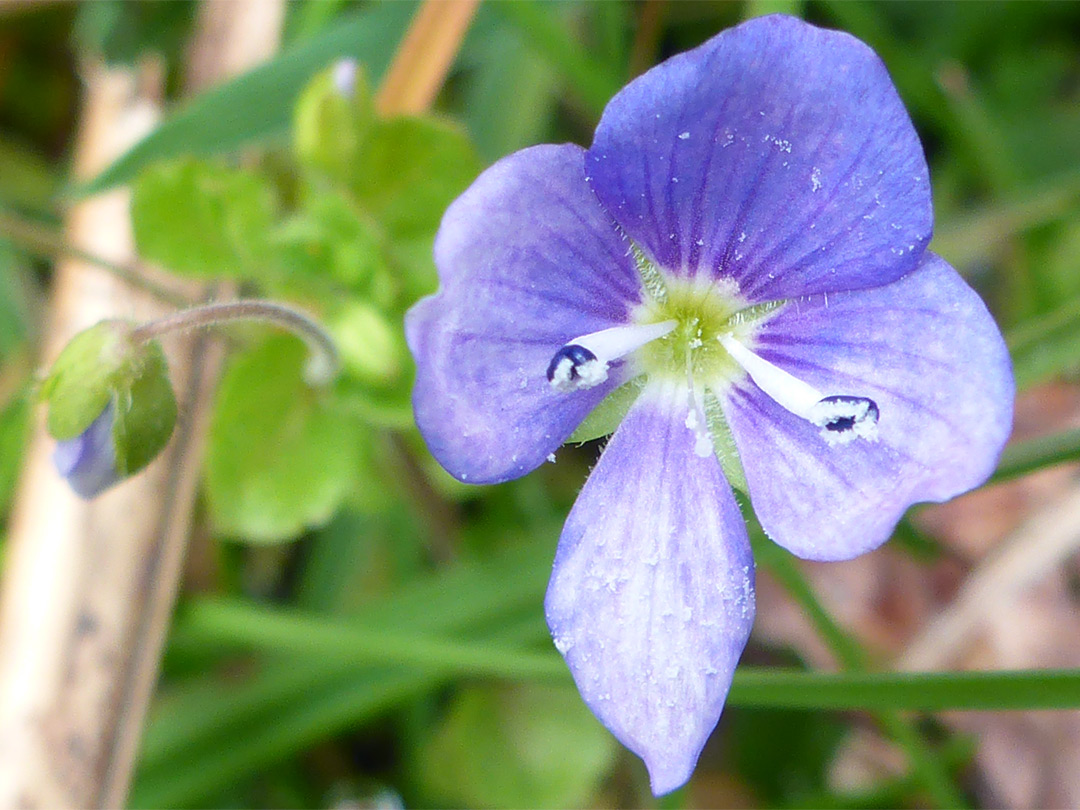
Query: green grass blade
<point>1046,345</point>
<point>465,598</point>
<point>926,768</point>
<point>1035,454</point>
<point>978,236</point>
<point>1003,690</point>
<point>282,719</point>
<point>296,724</point>
<point>226,622</point>
<point>334,640</point>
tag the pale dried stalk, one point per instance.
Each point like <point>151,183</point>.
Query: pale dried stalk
<point>424,57</point>
<point>88,588</point>
<point>61,630</point>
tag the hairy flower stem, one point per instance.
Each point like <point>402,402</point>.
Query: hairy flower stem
<point>323,361</point>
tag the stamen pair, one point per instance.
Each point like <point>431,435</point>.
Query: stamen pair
<point>584,362</point>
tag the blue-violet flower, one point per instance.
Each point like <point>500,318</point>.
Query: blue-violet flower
<point>742,255</point>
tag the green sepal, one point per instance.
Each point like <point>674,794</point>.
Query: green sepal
<point>329,128</point>
<point>102,365</point>
<point>145,410</point>
<point>724,443</point>
<point>607,416</point>
<point>84,376</point>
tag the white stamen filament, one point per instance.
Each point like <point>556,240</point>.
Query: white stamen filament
<point>583,362</point>
<point>788,391</point>
<point>619,341</point>
<point>842,418</point>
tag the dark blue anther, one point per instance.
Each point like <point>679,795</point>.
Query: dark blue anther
<point>844,423</point>
<point>577,355</point>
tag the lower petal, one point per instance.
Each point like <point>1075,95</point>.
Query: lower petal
<point>927,352</point>
<point>652,595</point>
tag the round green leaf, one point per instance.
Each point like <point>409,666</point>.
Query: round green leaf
<point>280,457</point>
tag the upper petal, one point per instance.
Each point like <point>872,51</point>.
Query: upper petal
<point>928,353</point>
<point>777,154</point>
<point>652,595</point>
<point>527,260</point>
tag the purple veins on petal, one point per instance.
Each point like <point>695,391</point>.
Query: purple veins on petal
<point>925,351</point>
<point>527,261</point>
<point>652,594</point>
<point>802,172</point>
<point>88,462</point>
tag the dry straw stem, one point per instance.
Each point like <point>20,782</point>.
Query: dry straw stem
<point>61,629</point>
<point>424,57</point>
<point>88,587</point>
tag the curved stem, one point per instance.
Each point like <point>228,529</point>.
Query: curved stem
<point>44,242</point>
<point>323,361</point>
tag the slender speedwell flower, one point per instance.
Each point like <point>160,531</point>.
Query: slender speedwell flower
<point>740,260</point>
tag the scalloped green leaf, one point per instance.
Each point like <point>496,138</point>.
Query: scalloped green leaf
<point>203,219</point>
<point>410,170</point>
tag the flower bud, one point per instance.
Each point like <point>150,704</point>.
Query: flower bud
<point>369,346</point>
<point>111,406</point>
<point>332,118</point>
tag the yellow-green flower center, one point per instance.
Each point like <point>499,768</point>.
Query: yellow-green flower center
<point>704,312</point>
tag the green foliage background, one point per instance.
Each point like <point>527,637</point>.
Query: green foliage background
<point>376,634</point>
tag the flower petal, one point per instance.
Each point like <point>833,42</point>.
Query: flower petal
<point>777,154</point>
<point>652,595</point>
<point>927,352</point>
<point>88,462</point>
<point>528,260</point>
